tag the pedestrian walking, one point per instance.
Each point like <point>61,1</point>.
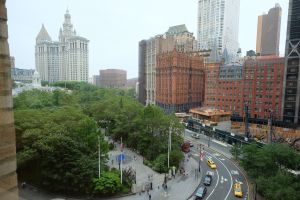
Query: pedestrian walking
<point>158,186</point>
<point>149,196</point>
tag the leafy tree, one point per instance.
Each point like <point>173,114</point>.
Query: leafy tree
<point>269,167</point>
<point>236,151</point>
<point>108,184</point>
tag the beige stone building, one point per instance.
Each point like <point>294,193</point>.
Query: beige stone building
<point>8,176</point>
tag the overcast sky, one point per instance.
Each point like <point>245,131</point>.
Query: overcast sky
<point>114,27</point>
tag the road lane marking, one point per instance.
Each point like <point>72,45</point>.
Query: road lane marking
<point>227,156</point>
<point>228,173</point>
<point>215,186</point>
<point>219,142</point>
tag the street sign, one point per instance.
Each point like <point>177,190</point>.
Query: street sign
<point>121,157</point>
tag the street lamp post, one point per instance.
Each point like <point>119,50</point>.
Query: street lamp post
<point>169,146</point>
<point>121,160</point>
<point>99,154</point>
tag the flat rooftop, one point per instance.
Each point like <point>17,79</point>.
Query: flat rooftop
<point>209,111</point>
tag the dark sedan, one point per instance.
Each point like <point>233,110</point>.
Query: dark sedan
<point>201,191</point>
<point>207,180</point>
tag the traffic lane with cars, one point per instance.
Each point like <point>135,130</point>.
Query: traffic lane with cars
<point>221,184</point>
<point>205,140</point>
<point>228,174</point>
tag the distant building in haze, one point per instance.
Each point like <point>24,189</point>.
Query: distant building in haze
<point>250,53</point>
<point>63,60</point>
<point>291,87</point>
<point>218,25</point>
<point>96,80</point>
<point>268,32</point>
<point>113,78</point>
<point>22,75</point>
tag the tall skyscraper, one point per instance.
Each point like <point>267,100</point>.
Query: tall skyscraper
<point>46,56</point>
<point>268,32</point>
<point>64,60</point>
<point>291,87</point>
<point>8,161</point>
<point>218,25</point>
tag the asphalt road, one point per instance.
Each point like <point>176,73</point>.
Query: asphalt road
<point>226,174</point>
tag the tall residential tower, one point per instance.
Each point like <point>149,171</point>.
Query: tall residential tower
<point>218,25</point>
<point>268,32</point>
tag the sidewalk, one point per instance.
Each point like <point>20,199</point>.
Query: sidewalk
<point>180,188</point>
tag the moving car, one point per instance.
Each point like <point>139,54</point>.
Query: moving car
<point>237,189</point>
<point>195,135</point>
<point>207,180</point>
<point>201,191</point>
<point>211,164</point>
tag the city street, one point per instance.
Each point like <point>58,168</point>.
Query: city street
<point>226,174</point>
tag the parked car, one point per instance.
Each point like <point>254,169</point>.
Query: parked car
<point>207,180</point>
<point>201,191</point>
<point>196,135</point>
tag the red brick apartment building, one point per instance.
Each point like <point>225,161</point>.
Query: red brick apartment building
<point>263,81</point>
<point>230,88</point>
<point>179,81</point>
<point>212,70</point>
<point>258,81</point>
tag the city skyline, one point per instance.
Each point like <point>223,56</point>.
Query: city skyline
<point>114,44</point>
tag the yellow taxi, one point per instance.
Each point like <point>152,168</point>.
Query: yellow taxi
<point>237,189</point>
<point>211,164</point>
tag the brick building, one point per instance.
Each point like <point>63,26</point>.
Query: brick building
<point>230,88</point>
<point>179,81</point>
<point>258,81</point>
<point>263,81</point>
<point>113,78</point>
<point>211,80</point>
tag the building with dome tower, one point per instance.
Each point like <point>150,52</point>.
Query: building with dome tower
<point>63,60</point>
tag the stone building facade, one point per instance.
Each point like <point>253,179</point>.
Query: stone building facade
<point>63,60</point>
<point>8,176</point>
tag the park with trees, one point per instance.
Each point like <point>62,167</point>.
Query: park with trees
<point>57,137</point>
